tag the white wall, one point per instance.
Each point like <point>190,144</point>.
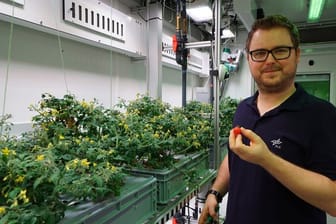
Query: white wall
<point>323,56</point>
<point>34,65</point>
<point>241,85</point>
<point>172,86</point>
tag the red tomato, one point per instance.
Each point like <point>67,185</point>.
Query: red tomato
<point>236,131</point>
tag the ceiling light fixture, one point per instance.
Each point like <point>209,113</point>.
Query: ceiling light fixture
<point>200,13</point>
<point>315,10</point>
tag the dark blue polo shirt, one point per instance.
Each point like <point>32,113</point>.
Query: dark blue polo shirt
<point>301,130</point>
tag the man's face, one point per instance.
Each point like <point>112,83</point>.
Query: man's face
<point>273,75</point>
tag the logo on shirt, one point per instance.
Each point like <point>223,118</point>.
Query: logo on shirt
<point>276,143</point>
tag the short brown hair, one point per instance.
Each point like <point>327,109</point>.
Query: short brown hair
<point>272,22</point>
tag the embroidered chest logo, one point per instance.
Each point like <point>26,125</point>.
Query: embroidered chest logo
<point>276,143</point>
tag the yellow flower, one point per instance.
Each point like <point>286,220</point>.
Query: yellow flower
<point>113,169</point>
<point>2,210</point>
<point>72,164</point>
<point>19,179</point>
<point>87,139</point>
<point>50,145</point>
<point>85,163</point>
<point>196,144</point>
<point>84,104</point>
<point>54,112</point>
<point>6,178</point>
<point>23,196</point>
<point>22,193</point>
<point>8,152</point>
<point>136,111</point>
<point>15,203</point>
<point>5,151</point>
<point>40,157</point>
<point>180,134</point>
<point>61,137</point>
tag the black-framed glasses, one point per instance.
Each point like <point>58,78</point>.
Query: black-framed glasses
<point>278,53</point>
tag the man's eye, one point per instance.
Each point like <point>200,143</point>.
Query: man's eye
<point>281,50</point>
<point>259,53</point>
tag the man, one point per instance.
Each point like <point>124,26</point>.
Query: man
<point>281,167</point>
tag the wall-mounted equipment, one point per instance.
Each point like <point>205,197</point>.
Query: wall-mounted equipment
<point>227,33</point>
<point>230,60</point>
<point>198,61</point>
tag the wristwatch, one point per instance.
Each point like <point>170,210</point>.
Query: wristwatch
<point>219,196</point>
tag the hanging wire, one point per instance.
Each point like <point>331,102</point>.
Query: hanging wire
<point>9,57</point>
<point>111,61</point>
<point>62,60</point>
<point>60,48</point>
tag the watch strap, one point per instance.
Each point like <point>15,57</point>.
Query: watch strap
<point>219,196</point>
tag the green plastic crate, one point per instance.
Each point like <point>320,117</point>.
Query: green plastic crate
<point>171,182</point>
<point>223,150</point>
<point>136,203</point>
<point>198,164</point>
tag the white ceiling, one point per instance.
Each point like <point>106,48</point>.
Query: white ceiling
<point>297,11</point>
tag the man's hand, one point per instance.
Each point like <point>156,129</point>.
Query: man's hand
<point>209,209</point>
<point>256,152</point>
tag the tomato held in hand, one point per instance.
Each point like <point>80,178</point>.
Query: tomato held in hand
<point>236,131</point>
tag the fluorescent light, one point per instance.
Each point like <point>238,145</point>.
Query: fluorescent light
<point>200,13</point>
<point>227,33</point>
<point>315,10</point>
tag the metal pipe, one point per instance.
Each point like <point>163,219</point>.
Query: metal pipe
<point>217,159</point>
<point>197,44</point>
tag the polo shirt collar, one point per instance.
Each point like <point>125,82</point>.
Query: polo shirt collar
<point>294,102</point>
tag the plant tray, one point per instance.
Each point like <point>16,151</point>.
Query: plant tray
<point>136,203</point>
<point>198,164</point>
<point>171,182</point>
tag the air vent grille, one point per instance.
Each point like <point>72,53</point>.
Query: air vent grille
<point>99,18</point>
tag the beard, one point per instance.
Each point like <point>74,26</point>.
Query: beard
<point>274,80</point>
